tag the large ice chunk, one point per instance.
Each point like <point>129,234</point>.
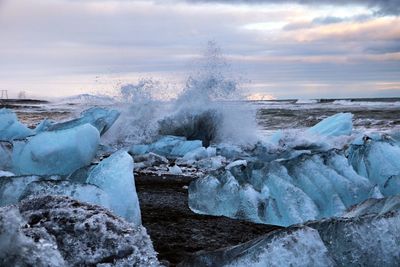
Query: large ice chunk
<point>10,127</point>
<point>336,125</point>
<point>282,192</point>
<point>57,152</point>
<point>379,161</point>
<point>100,118</point>
<point>114,176</point>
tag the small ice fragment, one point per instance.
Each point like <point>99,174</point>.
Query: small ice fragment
<point>175,170</point>
<point>236,163</point>
<point>11,128</point>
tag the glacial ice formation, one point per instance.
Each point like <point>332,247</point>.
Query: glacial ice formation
<point>11,128</point>
<point>100,118</point>
<point>281,192</point>
<point>336,125</point>
<point>114,175</point>
<point>56,152</point>
<point>368,235</point>
<point>378,159</point>
<point>66,232</point>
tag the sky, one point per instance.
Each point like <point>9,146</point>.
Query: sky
<point>276,48</point>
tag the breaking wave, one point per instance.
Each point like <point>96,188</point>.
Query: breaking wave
<point>206,109</point>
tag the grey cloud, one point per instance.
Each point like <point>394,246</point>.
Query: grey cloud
<point>384,7</point>
<point>327,20</point>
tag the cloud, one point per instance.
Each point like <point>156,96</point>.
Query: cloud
<point>62,45</point>
<point>384,7</point>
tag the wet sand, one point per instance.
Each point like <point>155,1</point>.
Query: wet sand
<point>175,230</point>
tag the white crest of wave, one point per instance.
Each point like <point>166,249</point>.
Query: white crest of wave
<point>209,106</point>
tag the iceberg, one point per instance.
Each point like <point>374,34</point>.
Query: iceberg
<point>378,159</point>
<point>336,125</point>
<point>114,175</point>
<point>65,232</point>
<point>100,118</point>
<point>11,128</point>
<point>367,235</point>
<point>57,152</point>
<point>282,191</point>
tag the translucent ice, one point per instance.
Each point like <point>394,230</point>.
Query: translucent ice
<point>114,175</point>
<point>56,152</point>
<point>100,118</point>
<point>378,159</point>
<point>10,127</point>
<point>281,192</point>
<point>336,125</point>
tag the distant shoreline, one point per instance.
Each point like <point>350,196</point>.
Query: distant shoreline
<point>22,101</point>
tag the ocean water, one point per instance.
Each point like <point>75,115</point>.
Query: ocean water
<point>372,114</point>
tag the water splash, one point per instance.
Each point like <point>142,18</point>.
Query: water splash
<point>203,110</point>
